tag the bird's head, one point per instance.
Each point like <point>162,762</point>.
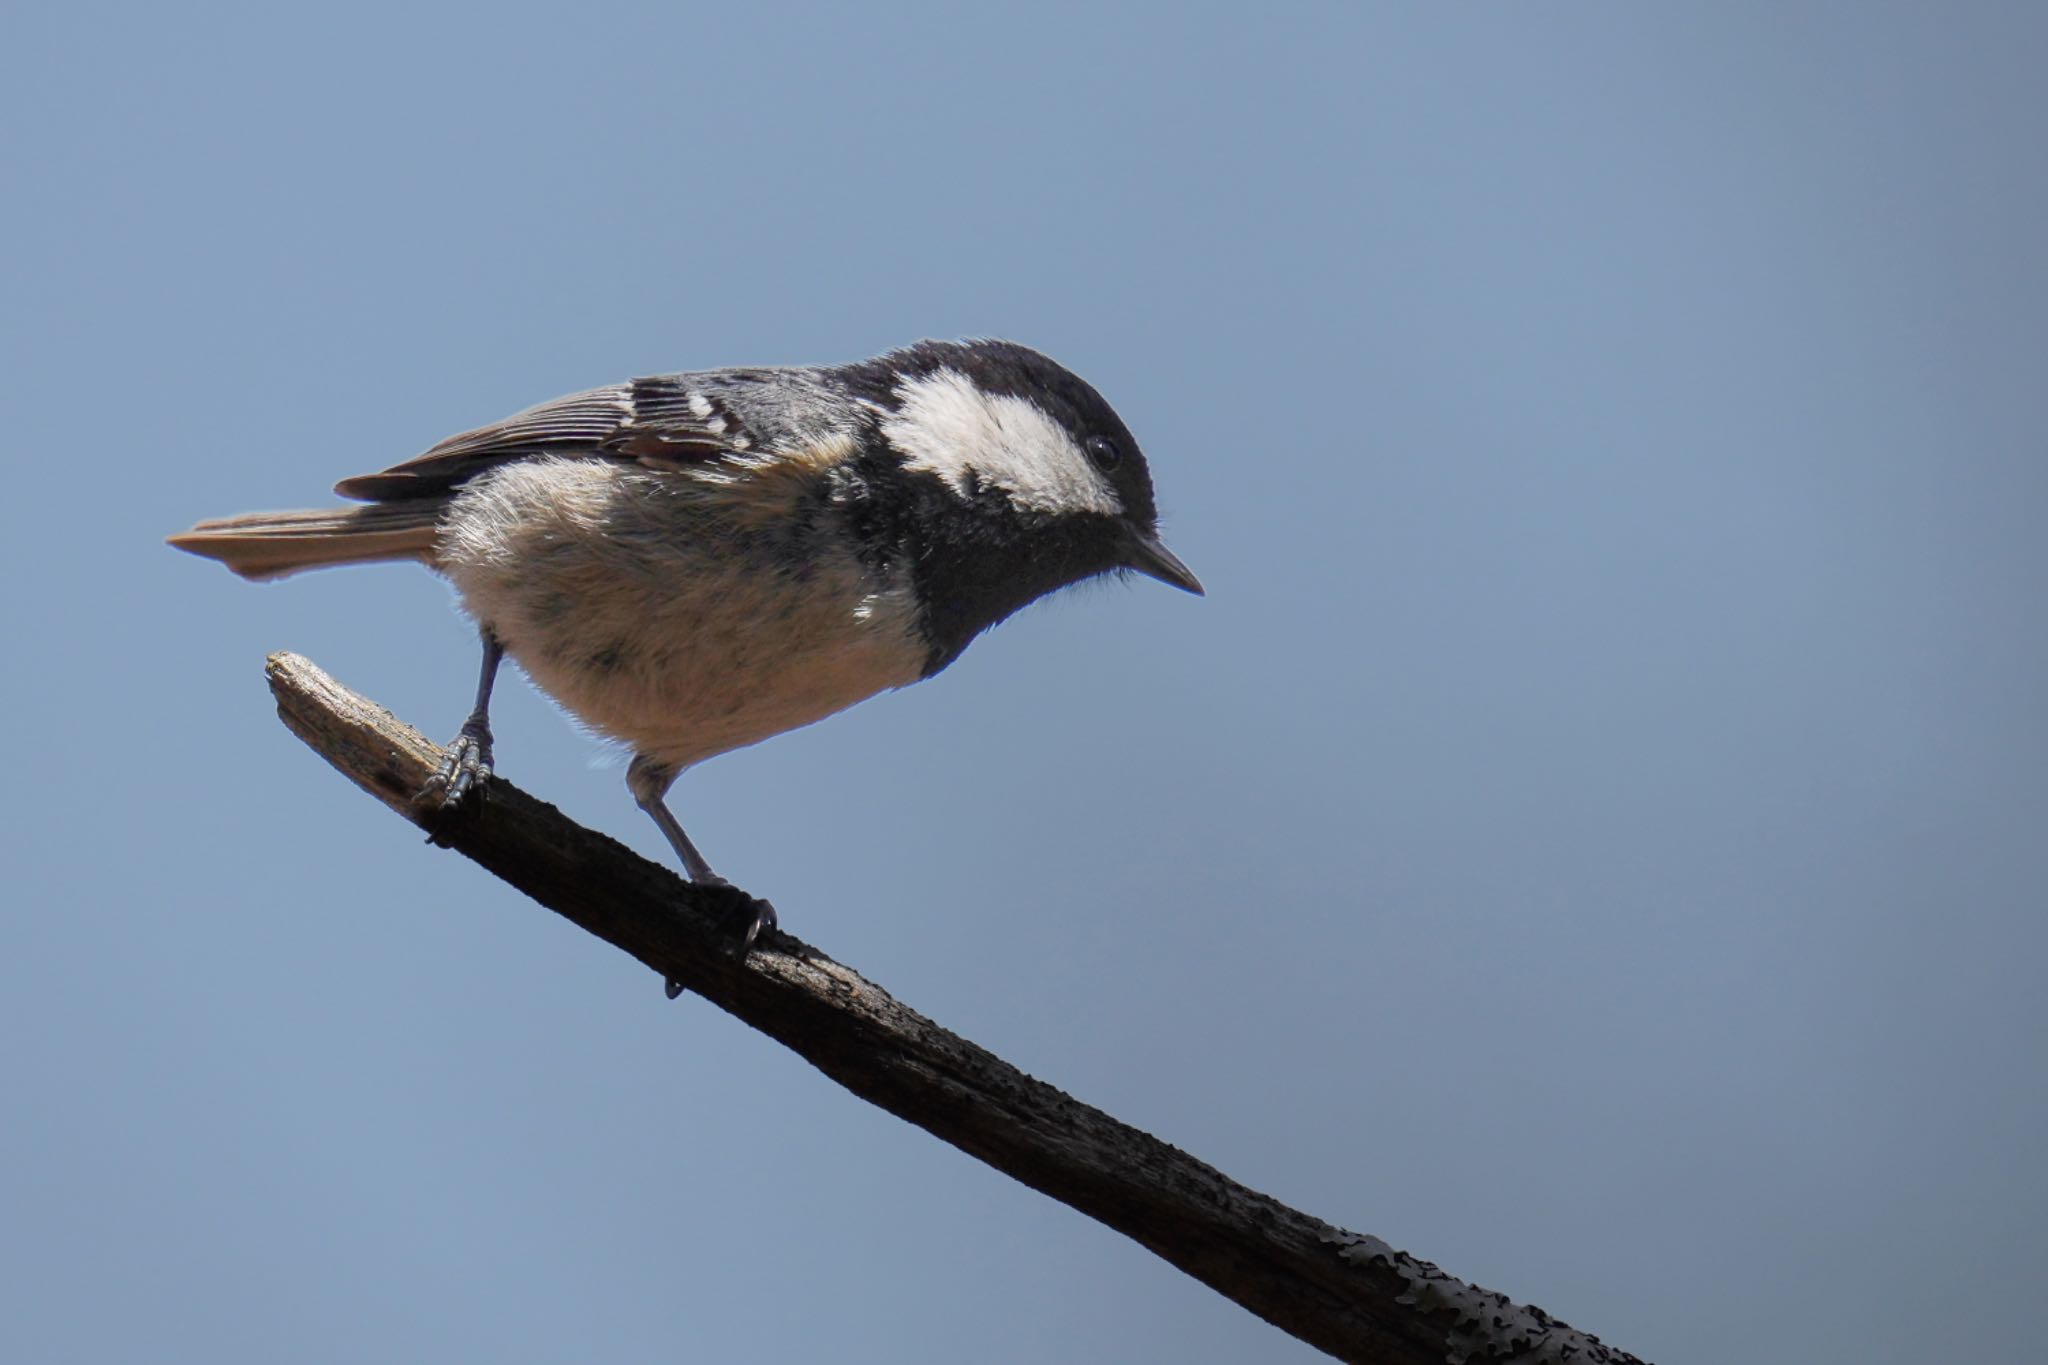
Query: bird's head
<point>1047,485</point>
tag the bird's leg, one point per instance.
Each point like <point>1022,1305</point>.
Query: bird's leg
<point>649,782</point>
<point>467,762</point>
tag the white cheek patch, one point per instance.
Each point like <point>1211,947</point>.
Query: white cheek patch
<point>950,428</point>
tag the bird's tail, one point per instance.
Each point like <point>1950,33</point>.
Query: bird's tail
<point>263,545</point>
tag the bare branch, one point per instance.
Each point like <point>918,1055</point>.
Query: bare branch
<point>1349,1294</point>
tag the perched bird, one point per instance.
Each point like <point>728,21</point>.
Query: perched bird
<point>691,563</point>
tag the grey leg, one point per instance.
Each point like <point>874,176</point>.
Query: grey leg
<point>467,763</point>
<point>649,782</point>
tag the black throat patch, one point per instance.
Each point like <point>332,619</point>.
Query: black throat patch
<point>973,560</point>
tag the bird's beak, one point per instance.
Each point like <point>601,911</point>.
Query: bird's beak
<point>1154,560</point>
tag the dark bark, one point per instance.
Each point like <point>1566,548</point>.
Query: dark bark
<point>1350,1294</point>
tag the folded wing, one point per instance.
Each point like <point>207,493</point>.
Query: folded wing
<point>659,421</point>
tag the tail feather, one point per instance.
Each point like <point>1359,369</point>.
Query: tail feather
<point>262,545</point>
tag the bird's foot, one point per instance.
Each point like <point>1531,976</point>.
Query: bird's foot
<point>465,770</point>
<point>465,767</point>
<point>742,916</point>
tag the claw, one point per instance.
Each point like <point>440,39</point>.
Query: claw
<point>761,921</point>
<point>745,917</point>
<point>465,768</point>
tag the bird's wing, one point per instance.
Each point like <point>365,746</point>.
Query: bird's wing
<point>661,422</point>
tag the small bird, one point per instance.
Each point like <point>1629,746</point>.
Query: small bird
<point>690,563</point>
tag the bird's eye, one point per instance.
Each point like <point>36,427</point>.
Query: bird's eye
<point>1104,452</point>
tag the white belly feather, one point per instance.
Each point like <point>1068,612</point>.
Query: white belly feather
<point>644,605</point>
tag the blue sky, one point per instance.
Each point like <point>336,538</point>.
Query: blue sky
<point>1590,836</point>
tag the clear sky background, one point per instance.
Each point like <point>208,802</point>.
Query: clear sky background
<point>1594,834</point>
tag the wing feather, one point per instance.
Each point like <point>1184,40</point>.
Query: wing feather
<point>662,421</point>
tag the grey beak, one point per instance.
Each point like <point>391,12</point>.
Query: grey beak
<point>1154,560</point>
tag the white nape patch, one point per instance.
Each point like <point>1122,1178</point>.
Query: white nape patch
<point>949,427</point>
<point>700,405</point>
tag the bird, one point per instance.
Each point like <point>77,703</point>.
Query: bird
<point>691,563</point>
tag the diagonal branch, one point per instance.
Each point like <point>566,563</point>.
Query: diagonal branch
<point>1350,1294</point>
